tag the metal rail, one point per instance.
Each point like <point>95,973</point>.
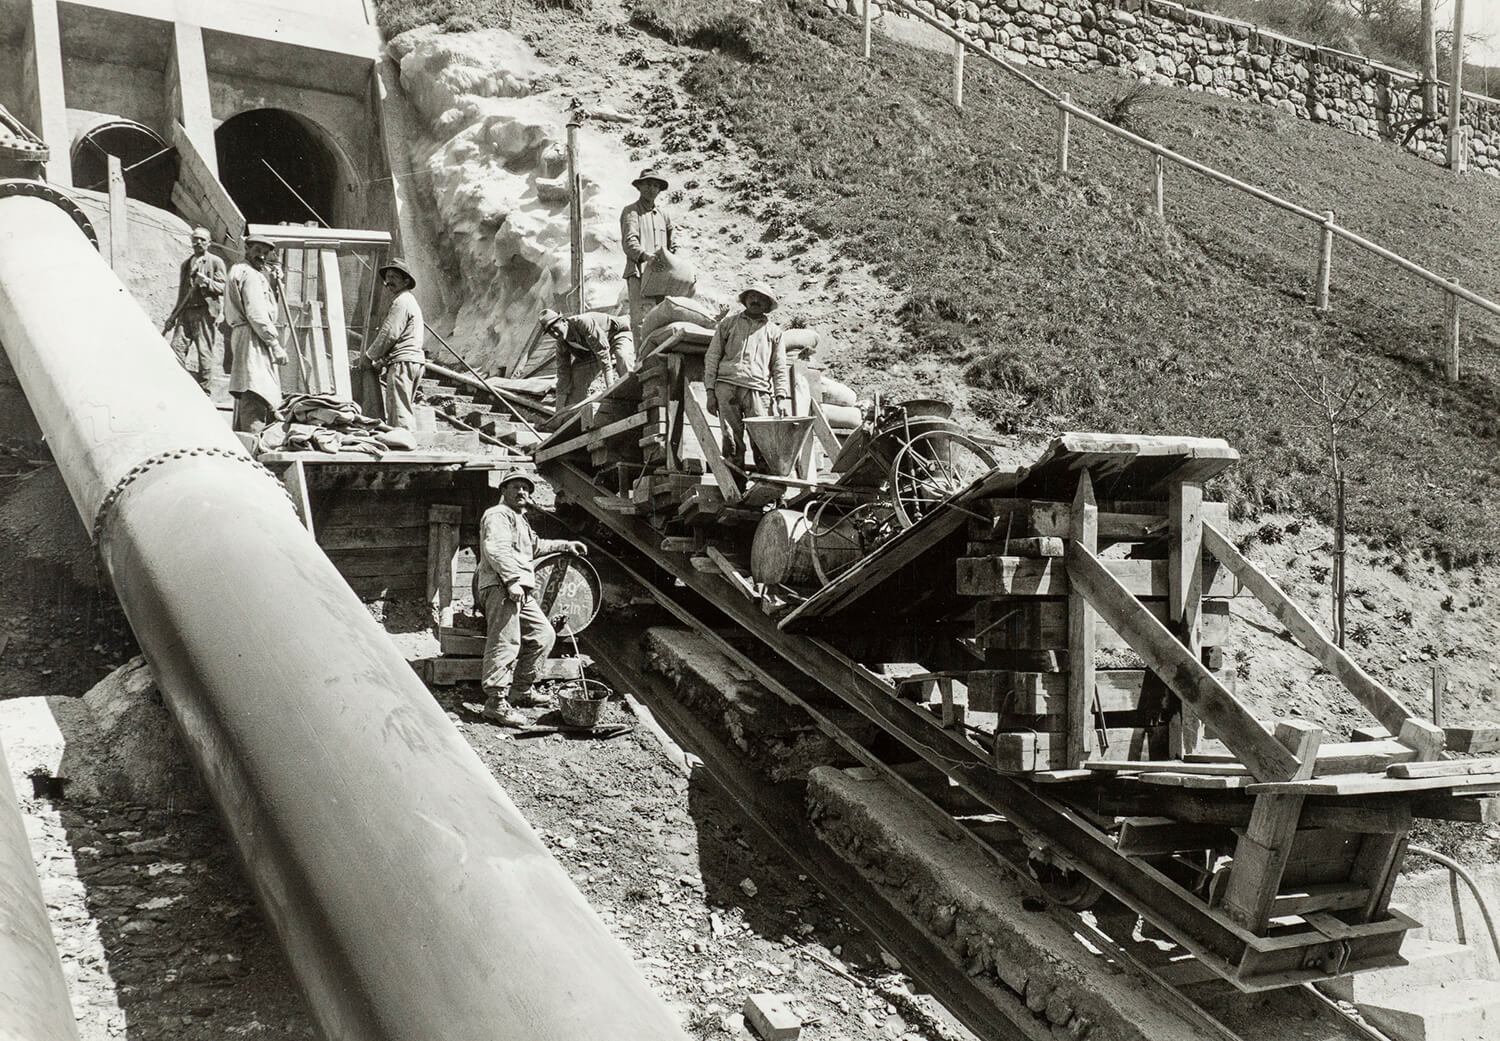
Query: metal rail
<point>33,992</point>
<point>410,895</point>
<point>1064,105</point>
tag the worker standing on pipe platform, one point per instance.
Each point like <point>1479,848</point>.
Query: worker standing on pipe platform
<point>200,298</point>
<point>518,636</point>
<point>645,233</point>
<point>254,342</point>
<point>396,349</point>
<point>593,351</point>
<point>744,366</point>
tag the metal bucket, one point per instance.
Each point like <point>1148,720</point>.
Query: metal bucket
<point>583,708</point>
<point>779,440</point>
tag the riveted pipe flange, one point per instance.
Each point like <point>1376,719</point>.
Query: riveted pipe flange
<point>42,190</point>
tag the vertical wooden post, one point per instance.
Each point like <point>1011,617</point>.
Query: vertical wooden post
<point>866,37</point>
<point>958,73</point>
<point>331,285</point>
<point>1457,154</point>
<point>1159,176</point>
<point>1439,691</point>
<point>1185,589</point>
<point>442,547</point>
<point>1325,261</point>
<point>1064,129</point>
<point>1452,327</point>
<point>1083,529</point>
<point>575,220</point>
<point>119,216</point>
<point>295,481</point>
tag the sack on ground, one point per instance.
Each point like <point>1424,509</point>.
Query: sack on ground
<point>677,309</point>
<point>669,274</point>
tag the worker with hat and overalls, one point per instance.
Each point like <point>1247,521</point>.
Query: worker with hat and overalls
<point>593,351</point>
<point>396,348</point>
<point>254,340</point>
<point>744,368</point>
<point>518,635</point>
<point>645,232</point>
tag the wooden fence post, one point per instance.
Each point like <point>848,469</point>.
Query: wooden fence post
<point>119,217</point>
<point>575,219</point>
<point>1325,262</point>
<point>866,45</point>
<point>958,73</point>
<point>1451,325</point>
<point>1064,127</point>
<point>1159,176</point>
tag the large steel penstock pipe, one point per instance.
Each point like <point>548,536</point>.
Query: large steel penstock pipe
<point>412,898</point>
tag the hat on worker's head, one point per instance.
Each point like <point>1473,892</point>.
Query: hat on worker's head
<point>398,265</point>
<point>258,240</point>
<point>650,174</point>
<point>203,233</point>
<point>548,318</point>
<point>518,475</point>
<point>759,289</point>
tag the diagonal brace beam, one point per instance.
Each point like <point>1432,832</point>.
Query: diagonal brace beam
<point>1262,754</point>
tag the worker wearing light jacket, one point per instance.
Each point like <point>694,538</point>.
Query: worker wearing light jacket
<point>254,341</point>
<point>396,348</point>
<point>200,296</point>
<point>645,233</point>
<point>518,635</point>
<point>744,367</point>
<point>593,351</point>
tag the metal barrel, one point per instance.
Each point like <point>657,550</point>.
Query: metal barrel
<point>412,898</point>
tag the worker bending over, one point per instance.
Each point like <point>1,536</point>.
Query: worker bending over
<point>200,298</point>
<point>593,351</point>
<point>396,349</point>
<point>745,365</point>
<point>518,636</point>
<point>254,341</point>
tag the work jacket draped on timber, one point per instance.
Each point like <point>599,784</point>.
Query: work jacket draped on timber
<point>508,548</point>
<point>747,352</point>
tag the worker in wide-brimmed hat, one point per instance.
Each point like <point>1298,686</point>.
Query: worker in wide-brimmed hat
<point>593,350</point>
<point>518,634</point>
<point>200,299</point>
<point>254,346</point>
<point>645,233</point>
<point>745,370</point>
<point>395,351</point>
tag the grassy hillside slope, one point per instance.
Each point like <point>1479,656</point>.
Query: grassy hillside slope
<point>1066,305</point>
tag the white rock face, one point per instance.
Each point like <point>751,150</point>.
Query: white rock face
<point>497,165</point>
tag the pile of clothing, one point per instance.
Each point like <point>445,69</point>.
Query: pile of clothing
<point>321,423</point>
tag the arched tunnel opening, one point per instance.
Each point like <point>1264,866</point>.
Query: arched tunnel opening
<point>278,167</point>
<point>149,164</point>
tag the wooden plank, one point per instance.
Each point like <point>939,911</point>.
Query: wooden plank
<point>1329,896</point>
<point>1119,521</point>
<point>119,215</point>
<point>1046,693</point>
<point>1454,768</point>
<point>1375,697</point>
<point>317,350</point>
<point>693,399</point>
<point>461,643</point>
<point>1374,784</point>
<point>1260,858</point>
<point>1027,751</point>
<point>732,573</point>
<point>822,431</point>
<point>1185,594</point>
<point>377,563</point>
<point>442,544</point>
<point>1042,623</point>
<point>331,288</point>
<point>588,438</point>
<point>1152,836</point>
<point>200,197</point>
<point>1084,533</point>
<point>1473,738</point>
<point>1028,576</point>
<point>295,479</point>
<point>1232,723</point>
<point>1482,810</point>
<point>338,537</point>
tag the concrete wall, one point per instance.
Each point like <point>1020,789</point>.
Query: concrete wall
<point>1166,43</point>
<point>97,90</point>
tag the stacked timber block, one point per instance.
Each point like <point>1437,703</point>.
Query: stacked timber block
<point>1051,681</point>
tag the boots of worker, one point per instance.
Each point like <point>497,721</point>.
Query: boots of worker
<point>501,713</point>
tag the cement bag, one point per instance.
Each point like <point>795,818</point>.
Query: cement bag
<point>691,338</point>
<point>799,343</point>
<point>836,393</point>
<point>843,417</point>
<point>677,309</point>
<point>668,274</point>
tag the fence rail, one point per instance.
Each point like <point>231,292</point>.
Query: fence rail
<point>1328,229</point>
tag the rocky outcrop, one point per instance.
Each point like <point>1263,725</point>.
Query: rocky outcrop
<point>494,158</point>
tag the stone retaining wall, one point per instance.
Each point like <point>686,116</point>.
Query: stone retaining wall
<point>1168,44</point>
